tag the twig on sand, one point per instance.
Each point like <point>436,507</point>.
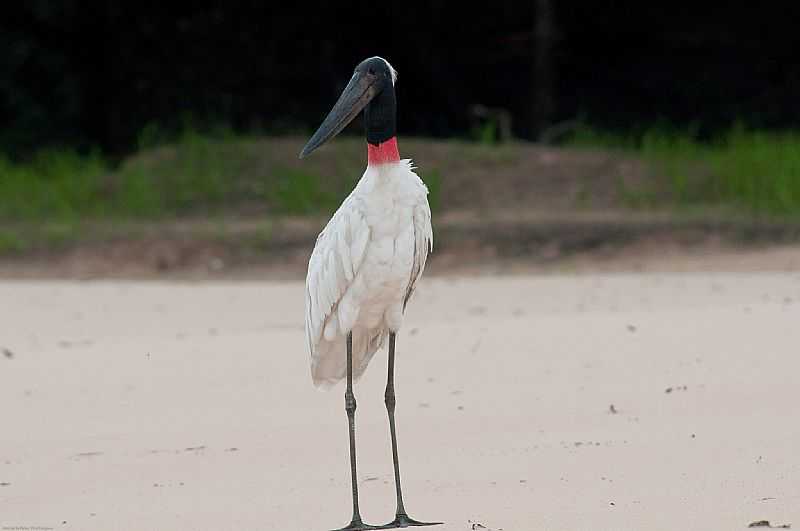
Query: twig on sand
<point>765,523</point>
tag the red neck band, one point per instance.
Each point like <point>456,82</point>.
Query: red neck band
<point>383,152</point>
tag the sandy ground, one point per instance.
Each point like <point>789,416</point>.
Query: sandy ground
<point>188,406</point>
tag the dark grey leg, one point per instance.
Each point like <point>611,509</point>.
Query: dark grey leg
<point>350,407</point>
<point>401,519</point>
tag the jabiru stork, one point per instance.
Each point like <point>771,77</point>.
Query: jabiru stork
<point>367,260</point>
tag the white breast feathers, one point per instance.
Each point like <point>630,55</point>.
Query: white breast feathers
<point>364,268</point>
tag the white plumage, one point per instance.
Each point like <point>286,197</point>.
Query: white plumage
<point>364,267</point>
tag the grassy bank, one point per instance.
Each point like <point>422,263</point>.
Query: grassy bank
<point>754,171</point>
<point>48,200</point>
<point>194,174</point>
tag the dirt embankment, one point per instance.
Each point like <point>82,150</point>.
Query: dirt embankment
<point>510,208</point>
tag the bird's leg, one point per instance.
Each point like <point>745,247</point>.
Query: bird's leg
<point>350,407</point>
<point>401,517</point>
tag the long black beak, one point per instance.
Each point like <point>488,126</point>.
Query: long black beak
<point>356,95</point>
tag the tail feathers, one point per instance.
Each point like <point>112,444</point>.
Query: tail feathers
<point>329,360</point>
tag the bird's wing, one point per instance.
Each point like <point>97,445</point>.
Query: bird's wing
<point>423,243</point>
<point>334,263</point>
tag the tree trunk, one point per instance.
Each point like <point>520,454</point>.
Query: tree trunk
<point>543,105</point>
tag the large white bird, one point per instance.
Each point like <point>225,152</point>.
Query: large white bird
<point>368,259</point>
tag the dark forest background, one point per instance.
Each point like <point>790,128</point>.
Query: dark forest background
<point>91,73</point>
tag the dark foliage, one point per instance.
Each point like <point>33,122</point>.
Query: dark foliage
<point>95,73</point>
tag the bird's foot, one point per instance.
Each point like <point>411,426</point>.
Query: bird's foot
<point>403,520</point>
<point>358,525</point>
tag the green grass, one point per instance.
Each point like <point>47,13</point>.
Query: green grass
<point>219,172</point>
<point>301,192</point>
<point>60,196</point>
<point>11,242</point>
<point>433,180</point>
<point>754,171</point>
<point>54,184</point>
<point>759,170</point>
<point>192,175</point>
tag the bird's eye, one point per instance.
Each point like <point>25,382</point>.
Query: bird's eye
<point>371,71</point>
